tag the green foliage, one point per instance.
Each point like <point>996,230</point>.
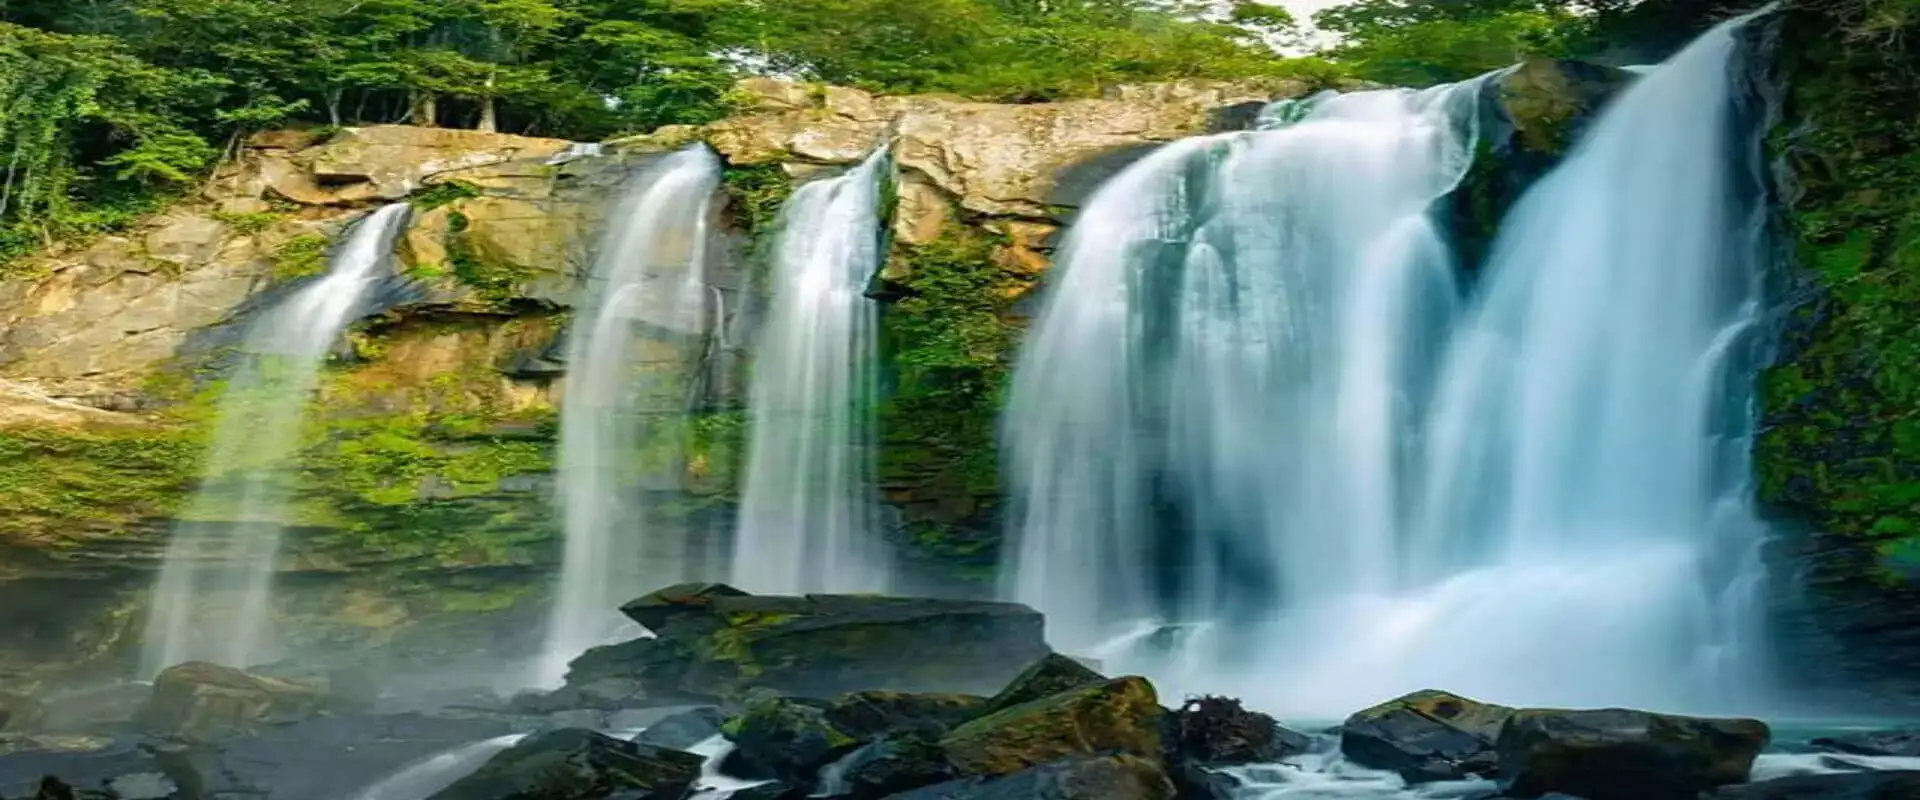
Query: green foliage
<point>757,193</point>
<point>441,194</point>
<point>249,223</point>
<point>1419,43</point>
<point>950,352</point>
<point>1842,446</point>
<point>300,257</point>
<point>53,480</point>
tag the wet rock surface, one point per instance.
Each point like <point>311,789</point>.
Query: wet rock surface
<point>1619,754</point>
<point>1427,736</point>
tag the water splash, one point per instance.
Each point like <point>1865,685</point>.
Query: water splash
<point>1253,401</point>
<point>643,318</point>
<point>807,517</point>
<point>213,597</point>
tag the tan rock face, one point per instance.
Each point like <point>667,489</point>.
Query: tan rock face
<point>388,162</point>
<point>199,698</point>
<point>996,159</point>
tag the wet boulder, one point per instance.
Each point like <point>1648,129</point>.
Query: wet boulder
<point>1121,716</point>
<point>1426,736</point>
<point>1619,754</point>
<point>577,764</point>
<point>784,738</point>
<point>1890,785</point>
<point>1047,676</point>
<point>1903,743</point>
<point>633,674</point>
<point>1221,732</point>
<point>826,645</point>
<point>201,699</point>
<point>867,715</point>
<point>888,766</point>
<point>655,609</point>
<point>685,729</point>
<point>1120,777</point>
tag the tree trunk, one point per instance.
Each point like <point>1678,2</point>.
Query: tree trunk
<point>489,110</point>
<point>426,109</point>
<point>489,116</point>
<point>334,95</point>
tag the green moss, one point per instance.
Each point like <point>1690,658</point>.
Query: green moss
<point>757,193</point>
<point>441,194</point>
<point>1841,447</point>
<point>300,257</point>
<point>494,282</point>
<point>247,224</point>
<point>64,484</point>
<point>950,349</point>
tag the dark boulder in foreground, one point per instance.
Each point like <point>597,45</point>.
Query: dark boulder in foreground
<point>1221,732</point>
<point>1426,736</point>
<point>1618,754</point>
<point>577,764</point>
<point>888,766</point>
<point>1903,785</point>
<point>685,729</point>
<point>715,643</point>
<point>786,739</point>
<point>865,715</point>
<point>1904,743</point>
<point>1121,777</point>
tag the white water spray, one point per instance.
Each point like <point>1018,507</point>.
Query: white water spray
<point>807,517</point>
<point>1252,402</point>
<point>643,315</point>
<point>213,599</point>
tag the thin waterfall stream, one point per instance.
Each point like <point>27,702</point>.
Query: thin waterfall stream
<point>644,310</point>
<point>1260,443</point>
<point>807,515</point>
<point>213,599</point>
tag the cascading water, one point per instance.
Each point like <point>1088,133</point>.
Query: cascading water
<point>807,516</point>
<point>1242,326</point>
<point>212,599</point>
<point>1253,403</point>
<point>644,310</point>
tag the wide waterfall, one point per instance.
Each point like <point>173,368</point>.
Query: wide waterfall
<point>807,516</point>
<point>1258,425</point>
<point>213,598</point>
<point>646,306</point>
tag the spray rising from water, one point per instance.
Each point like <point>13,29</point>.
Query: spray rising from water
<point>212,600</point>
<point>1253,405</point>
<point>643,318</point>
<point>807,517</point>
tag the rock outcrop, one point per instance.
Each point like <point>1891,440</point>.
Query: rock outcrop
<point>1617,754</point>
<point>1427,736</point>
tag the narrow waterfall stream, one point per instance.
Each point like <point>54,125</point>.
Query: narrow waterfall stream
<point>213,599</point>
<point>645,309</point>
<point>807,515</point>
<point>1261,445</point>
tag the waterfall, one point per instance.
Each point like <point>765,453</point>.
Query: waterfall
<point>1257,417</point>
<point>212,599</point>
<point>807,516</point>
<point>642,319</point>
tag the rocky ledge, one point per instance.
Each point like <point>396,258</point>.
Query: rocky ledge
<point>851,697</point>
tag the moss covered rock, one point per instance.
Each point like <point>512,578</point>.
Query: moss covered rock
<point>867,715</point>
<point>1120,716</point>
<point>1052,674</point>
<point>1426,736</point>
<point>786,739</point>
<point>575,764</point>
